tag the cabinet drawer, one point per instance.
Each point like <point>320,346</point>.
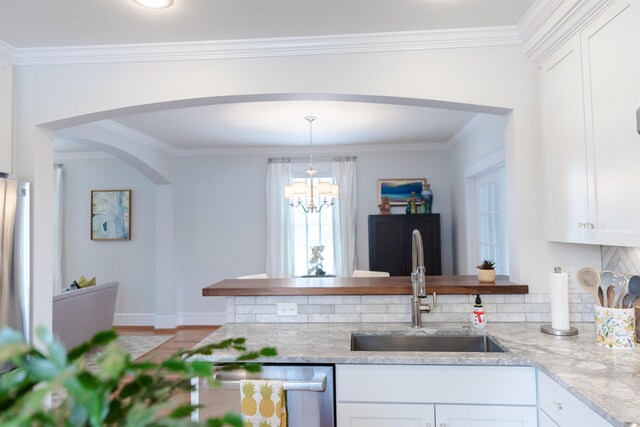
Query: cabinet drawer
<point>384,415</point>
<point>436,384</point>
<point>561,406</point>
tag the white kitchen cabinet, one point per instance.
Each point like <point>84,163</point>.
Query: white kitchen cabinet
<point>564,128</point>
<point>385,415</point>
<point>590,92</point>
<point>610,57</point>
<point>563,408</point>
<point>485,416</point>
<point>6,115</point>
<point>404,395</point>
<point>545,421</point>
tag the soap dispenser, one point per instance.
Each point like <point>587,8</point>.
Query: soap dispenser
<point>477,316</point>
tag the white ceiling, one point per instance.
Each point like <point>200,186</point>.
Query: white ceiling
<point>39,23</point>
<point>282,123</point>
<point>64,23</point>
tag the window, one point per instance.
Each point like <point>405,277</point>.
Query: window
<point>310,230</point>
<point>490,221</point>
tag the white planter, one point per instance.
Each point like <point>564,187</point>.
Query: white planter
<point>486,276</point>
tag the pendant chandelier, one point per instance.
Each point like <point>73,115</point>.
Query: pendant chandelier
<point>311,198</point>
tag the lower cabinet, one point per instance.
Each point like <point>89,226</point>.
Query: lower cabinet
<point>415,415</point>
<point>485,416</point>
<point>456,396</point>
<point>435,396</point>
<point>558,407</point>
<point>385,415</point>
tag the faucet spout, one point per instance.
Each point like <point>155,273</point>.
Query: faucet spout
<point>418,282</point>
<point>417,265</point>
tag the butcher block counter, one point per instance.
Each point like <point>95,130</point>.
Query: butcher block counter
<point>396,285</point>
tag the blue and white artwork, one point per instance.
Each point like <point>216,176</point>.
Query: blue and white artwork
<point>398,191</point>
<point>110,215</point>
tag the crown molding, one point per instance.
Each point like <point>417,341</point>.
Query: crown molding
<point>549,24</point>
<point>535,18</point>
<point>473,124</point>
<point>7,52</point>
<point>269,47</point>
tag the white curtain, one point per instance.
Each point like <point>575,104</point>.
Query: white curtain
<point>279,220</point>
<point>344,223</point>
<point>57,228</point>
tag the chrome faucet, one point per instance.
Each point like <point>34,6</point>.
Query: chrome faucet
<point>418,281</point>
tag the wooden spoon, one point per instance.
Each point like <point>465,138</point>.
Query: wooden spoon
<point>589,280</point>
<point>611,296</point>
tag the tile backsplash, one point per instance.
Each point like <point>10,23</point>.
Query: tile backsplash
<point>621,260</point>
<point>396,308</point>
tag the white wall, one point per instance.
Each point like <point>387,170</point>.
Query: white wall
<point>491,76</point>
<point>130,262</point>
<point>486,140</point>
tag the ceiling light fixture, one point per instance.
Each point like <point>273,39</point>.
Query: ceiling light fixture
<point>303,196</point>
<point>154,4</point>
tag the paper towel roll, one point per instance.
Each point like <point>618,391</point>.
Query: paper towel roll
<point>559,295</point>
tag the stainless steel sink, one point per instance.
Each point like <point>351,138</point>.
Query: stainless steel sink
<point>453,343</point>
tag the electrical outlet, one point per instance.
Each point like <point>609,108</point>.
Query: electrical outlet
<point>571,275</point>
<point>287,308</point>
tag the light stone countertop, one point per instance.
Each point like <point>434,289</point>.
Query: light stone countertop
<point>608,381</point>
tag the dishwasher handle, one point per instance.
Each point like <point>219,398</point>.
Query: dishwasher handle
<point>317,383</point>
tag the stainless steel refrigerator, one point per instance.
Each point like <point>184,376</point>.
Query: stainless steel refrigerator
<point>15,280</point>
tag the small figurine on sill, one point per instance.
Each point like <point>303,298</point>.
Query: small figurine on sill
<point>385,206</point>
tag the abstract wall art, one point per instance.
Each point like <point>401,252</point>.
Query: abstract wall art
<point>111,215</point>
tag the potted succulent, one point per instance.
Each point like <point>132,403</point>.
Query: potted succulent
<point>486,271</point>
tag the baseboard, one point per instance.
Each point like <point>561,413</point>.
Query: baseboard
<point>134,319</point>
<point>171,321</point>
<point>210,319</point>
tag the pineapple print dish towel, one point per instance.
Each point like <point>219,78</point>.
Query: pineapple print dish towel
<point>262,403</point>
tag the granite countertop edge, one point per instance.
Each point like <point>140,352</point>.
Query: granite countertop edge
<point>526,344</point>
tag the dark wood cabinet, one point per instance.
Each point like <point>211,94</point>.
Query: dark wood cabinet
<point>390,242</point>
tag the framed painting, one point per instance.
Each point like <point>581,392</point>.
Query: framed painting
<point>398,191</point>
<point>111,215</point>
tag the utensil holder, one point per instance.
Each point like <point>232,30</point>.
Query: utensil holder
<point>615,327</point>
<point>637,309</point>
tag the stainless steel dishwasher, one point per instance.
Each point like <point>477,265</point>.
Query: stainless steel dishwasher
<point>309,394</point>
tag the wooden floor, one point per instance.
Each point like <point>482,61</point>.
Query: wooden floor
<point>185,337</point>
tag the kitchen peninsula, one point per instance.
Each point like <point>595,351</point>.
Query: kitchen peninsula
<point>572,380</point>
<point>396,285</point>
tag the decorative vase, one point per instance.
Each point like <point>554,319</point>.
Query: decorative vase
<point>427,196</point>
<point>486,276</point>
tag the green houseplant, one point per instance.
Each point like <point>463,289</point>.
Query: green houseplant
<point>486,271</point>
<point>121,392</point>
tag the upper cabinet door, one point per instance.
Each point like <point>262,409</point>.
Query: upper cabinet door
<point>566,156</point>
<point>6,114</point>
<point>610,58</point>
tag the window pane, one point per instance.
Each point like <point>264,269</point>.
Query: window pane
<point>311,229</point>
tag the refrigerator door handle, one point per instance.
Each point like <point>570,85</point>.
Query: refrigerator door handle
<point>317,383</point>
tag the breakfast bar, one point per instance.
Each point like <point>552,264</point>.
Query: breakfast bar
<point>395,285</point>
